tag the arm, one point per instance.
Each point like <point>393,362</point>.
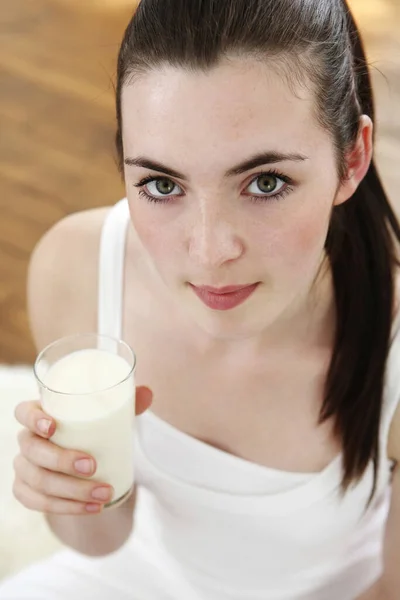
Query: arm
<point>95,535</point>
<point>388,586</point>
<point>62,299</point>
<point>377,592</point>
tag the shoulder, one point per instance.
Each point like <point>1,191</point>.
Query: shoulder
<point>62,277</point>
<point>394,431</point>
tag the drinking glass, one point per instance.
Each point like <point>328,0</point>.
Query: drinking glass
<point>87,385</point>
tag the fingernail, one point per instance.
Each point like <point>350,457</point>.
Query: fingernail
<point>84,465</point>
<point>93,508</point>
<point>44,425</point>
<point>102,493</point>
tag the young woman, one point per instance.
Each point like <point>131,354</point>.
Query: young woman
<point>253,269</point>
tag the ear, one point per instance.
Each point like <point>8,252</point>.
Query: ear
<point>358,161</point>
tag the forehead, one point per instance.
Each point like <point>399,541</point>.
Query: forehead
<point>237,107</point>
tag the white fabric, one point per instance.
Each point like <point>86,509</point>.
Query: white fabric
<point>24,535</point>
<point>210,526</point>
<point>111,272</point>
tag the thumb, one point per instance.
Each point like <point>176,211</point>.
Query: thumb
<point>144,398</point>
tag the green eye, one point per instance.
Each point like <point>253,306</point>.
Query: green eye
<point>164,186</point>
<point>158,189</point>
<point>267,184</point>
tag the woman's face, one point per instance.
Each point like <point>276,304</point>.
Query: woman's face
<point>230,182</point>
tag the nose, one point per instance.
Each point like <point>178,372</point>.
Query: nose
<point>214,239</point>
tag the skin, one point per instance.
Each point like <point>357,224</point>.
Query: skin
<point>257,358</point>
<point>212,233</point>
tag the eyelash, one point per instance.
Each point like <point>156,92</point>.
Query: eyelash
<point>257,199</point>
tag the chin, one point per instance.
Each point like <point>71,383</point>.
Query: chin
<point>230,325</point>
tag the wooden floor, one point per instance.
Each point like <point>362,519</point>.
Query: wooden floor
<point>57,63</point>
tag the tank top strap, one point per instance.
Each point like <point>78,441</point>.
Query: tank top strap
<point>391,396</point>
<point>111,270</point>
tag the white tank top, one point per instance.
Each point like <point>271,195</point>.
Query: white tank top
<point>230,529</point>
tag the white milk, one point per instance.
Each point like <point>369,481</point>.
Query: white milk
<point>95,412</point>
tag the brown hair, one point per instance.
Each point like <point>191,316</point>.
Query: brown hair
<point>313,42</point>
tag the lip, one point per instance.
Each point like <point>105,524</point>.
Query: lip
<point>224,298</point>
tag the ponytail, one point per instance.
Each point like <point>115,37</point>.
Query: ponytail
<point>361,246</point>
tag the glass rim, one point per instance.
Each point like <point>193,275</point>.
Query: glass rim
<point>65,339</point>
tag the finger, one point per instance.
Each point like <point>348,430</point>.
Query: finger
<point>61,486</point>
<point>47,504</point>
<point>44,453</point>
<point>31,415</point>
<point>144,398</point>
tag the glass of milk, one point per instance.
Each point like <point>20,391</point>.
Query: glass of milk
<point>87,385</point>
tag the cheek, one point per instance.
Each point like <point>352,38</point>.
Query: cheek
<point>295,248</point>
<point>158,238</point>
<point>311,235</point>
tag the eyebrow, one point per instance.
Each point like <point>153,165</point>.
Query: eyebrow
<point>264,158</point>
